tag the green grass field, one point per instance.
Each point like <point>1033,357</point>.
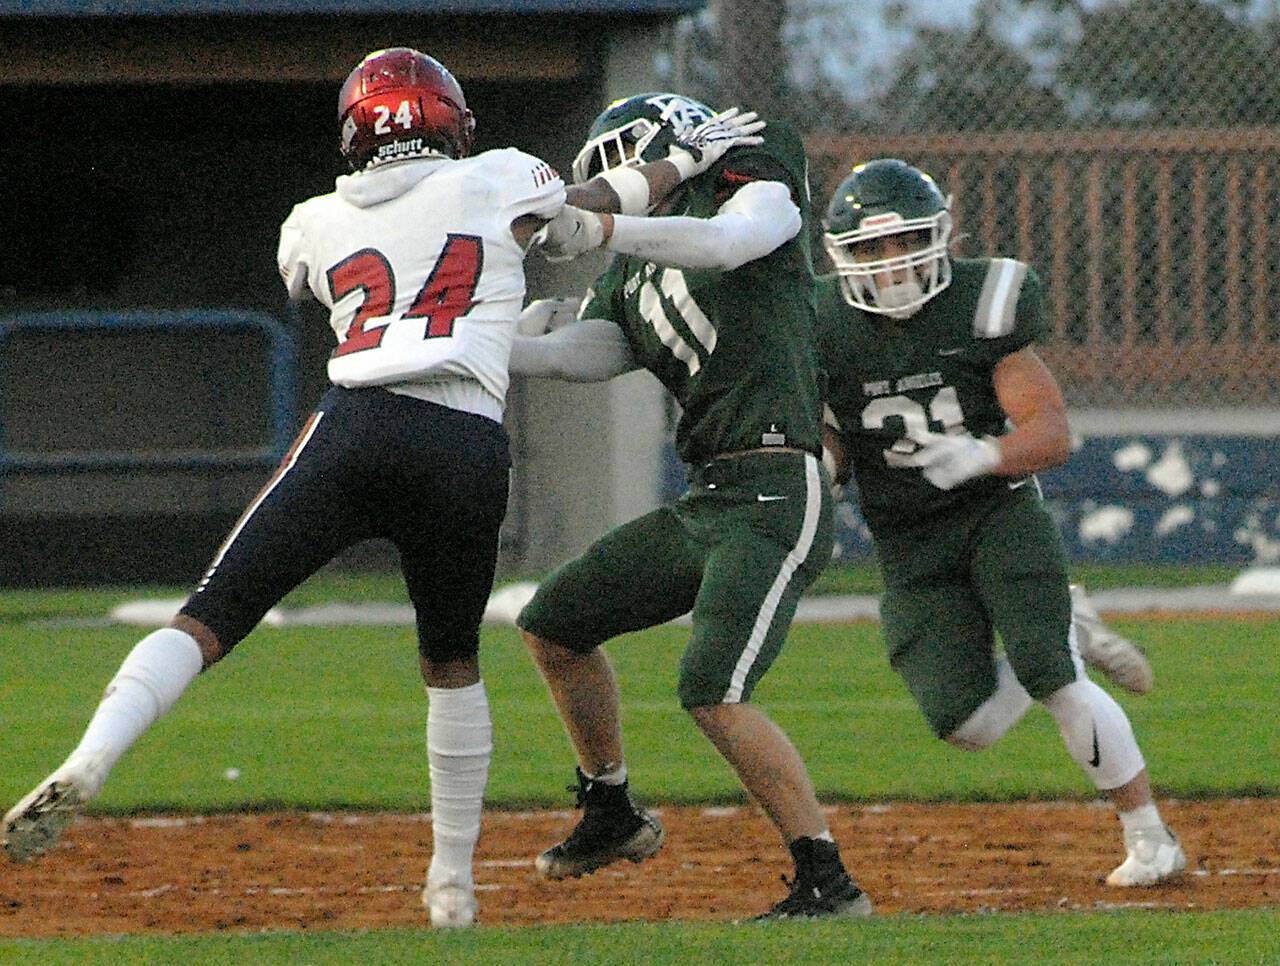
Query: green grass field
<point>334,718</point>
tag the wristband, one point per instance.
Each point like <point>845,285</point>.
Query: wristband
<point>631,187</point>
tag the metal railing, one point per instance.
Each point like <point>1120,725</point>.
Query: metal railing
<point>1158,249</point>
<point>281,365</point>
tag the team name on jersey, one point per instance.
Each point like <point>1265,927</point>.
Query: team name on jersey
<point>882,387</point>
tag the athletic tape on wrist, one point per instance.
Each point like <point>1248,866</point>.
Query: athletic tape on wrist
<point>683,160</point>
<point>632,189</point>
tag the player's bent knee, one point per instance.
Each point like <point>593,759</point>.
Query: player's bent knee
<point>980,730</point>
<point>702,713</point>
<point>990,720</point>
<point>551,656</point>
<point>697,695</point>
<point>965,741</point>
<point>440,650</point>
<point>1096,732</point>
<point>532,642</point>
<point>211,647</point>
<point>454,673</point>
<point>723,724</point>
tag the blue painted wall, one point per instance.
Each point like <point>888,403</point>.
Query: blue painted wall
<point>1172,499</point>
<point>1129,498</point>
<point>1185,498</point>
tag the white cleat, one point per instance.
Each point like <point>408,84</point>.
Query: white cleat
<point>1122,661</point>
<point>33,826</point>
<point>1155,856</point>
<point>452,904</point>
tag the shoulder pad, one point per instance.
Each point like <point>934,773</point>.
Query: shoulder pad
<point>517,174</point>
<point>995,313</point>
<point>499,160</point>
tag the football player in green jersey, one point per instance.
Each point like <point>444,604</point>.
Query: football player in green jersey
<point>943,410</point>
<point>716,300</point>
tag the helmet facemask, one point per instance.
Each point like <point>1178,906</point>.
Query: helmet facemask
<point>858,260</point>
<point>888,228</point>
<point>634,131</point>
<point>620,148</point>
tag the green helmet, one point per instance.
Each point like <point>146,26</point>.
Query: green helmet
<point>633,130</point>
<point>879,199</point>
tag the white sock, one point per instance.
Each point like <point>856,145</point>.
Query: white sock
<point>149,681</point>
<point>615,776</point>
<point>1144,816</point>
<point>1097,733</point>
<point>459,745</point>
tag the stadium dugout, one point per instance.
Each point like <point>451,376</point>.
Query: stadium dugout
<point>152,149</point>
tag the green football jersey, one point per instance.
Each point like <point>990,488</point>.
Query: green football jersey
<point>890,381</point>
<point>736,349</point>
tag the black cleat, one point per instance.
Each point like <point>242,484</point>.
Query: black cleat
<point>821,889</point>
<point>612,827</point>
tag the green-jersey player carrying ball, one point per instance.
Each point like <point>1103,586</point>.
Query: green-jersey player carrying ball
<point>942,408</point>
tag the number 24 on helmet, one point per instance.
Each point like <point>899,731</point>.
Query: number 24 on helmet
<point>399,103</point>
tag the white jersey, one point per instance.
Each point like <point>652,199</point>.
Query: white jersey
<point>423,279</point>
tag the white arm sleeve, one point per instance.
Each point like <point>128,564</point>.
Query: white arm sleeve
<point>756,220</point>
<point>589,350</point>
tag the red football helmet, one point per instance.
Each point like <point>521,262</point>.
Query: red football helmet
<point>399,103</point>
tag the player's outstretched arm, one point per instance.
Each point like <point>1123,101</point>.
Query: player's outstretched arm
<point>585,350</point>
<point>634,190</point>
<point>759,218</point>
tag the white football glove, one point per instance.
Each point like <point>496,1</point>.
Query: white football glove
<point>950,460</point>
<point>570,233</point>
<point>698,148</point>
<point>546,315</point>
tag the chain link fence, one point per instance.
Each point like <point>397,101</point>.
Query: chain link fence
<point>1127,150</point>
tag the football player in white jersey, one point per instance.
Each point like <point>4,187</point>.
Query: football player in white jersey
<point>419,256</point>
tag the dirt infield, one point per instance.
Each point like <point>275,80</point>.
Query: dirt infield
<point>298,870</point>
